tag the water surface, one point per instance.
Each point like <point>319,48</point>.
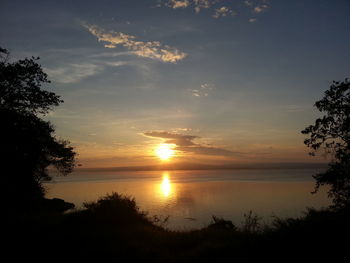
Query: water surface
<point>191,198</point>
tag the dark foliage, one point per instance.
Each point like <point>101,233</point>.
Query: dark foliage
<point>20,86</point>
<point>118,209</point>
<point>114,228</point>
<point>29,146</point>
<point>220,223</point>
<point>332,134</point>
<point>251,223</point>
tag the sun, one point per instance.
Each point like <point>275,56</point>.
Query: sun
<point>165,151</point>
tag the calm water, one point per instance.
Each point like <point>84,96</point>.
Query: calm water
<point>190,198</point>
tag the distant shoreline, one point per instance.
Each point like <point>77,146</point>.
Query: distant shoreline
<point>190,166</point>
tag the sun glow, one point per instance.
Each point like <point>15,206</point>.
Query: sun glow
<point>165,151</point>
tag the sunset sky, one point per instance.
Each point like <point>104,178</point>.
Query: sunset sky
<point>220,81</point>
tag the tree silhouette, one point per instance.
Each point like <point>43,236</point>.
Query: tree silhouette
<point>332,134</point>
<point>29,146</point>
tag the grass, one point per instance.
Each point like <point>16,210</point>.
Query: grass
<point>115,228</point>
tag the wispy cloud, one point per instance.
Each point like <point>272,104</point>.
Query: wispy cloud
<point>257,6</point>
<point>197,5</point>
<point>216,6</point>
<point>185,143</point>
<point>223,11</point>
<point>178,3</point>
<point>73,65</point>
<point>203,90</point>
<point>259,9</point>
<point>182,130</point>
<point>201,4</point>
<point>148,49</point>
<point>173,138</point>
<point>248,3</point>
<point>72,73</point>
<point>116,63</point>
<point>110,54</point>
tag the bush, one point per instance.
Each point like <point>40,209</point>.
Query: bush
<point>117,208</point>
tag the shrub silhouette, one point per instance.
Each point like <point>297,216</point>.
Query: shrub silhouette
<point>220,223</point>
<point>116,208</point>
<point>251,223</point>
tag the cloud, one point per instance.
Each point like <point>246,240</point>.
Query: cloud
<point>248,3</point>
<point>256,6</point>
<point>222,11</point>
<point>184,143</point>
<point>116,63</point>
<point>199,4</point>
<point>178,4</point>
<point>207,151</point>
<point>72,73</point>
<point>182,129</point>
<point>173,138</point>
<point>259,9</point>
<point>110,54</point>
<point>150,49</point>
<point>203,91</point>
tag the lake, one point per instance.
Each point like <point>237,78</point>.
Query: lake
<point>191,198</point>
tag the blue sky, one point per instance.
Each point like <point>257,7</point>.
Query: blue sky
<point>238,76</point>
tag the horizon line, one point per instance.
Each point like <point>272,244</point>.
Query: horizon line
<point>196,166</point>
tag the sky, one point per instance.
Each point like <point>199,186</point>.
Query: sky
<point>220,81</point>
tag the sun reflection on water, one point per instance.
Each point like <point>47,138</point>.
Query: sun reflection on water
<point>166,188</point>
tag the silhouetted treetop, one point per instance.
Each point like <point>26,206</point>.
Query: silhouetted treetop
<point>21,86</point>
<point>29,145</point>
<point>332,133</point>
